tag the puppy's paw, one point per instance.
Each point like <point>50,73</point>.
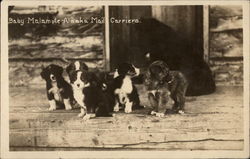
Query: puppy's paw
<point>68,108</point>
<point>160,115</point>
<point>67,104</point>
<point>51,108</point>
<point>80,115</point>
<point>52,105</point>
<point>181,112</point>
<point>128,110</point>
<point>153,113</point>
<point>117,91</point>
<point>86,117</point>
<point>116,108</point>
<point>128,107</point>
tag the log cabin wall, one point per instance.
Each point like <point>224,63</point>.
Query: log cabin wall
<point>32,46</point>
<point>226,44</point>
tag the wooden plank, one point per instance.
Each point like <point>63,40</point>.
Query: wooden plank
<point>77,138</point>
<point>24,96</point>
<point>170,145</point>
<point>141,121</point>
<point>192,107</point>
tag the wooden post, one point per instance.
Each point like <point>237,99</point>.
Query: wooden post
<point>106,52</point>
<point>206,32</point>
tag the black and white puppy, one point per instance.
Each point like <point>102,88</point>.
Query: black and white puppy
<point>123,88</point>
<point>163,84</point>
<point>90,94</point>
<point>59,91</point>
<point>78,82</point>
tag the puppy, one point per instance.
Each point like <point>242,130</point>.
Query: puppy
<point>98,100</point>
<point>123,88</point>
<point>90,94</point>
<point>59,92</point>
<point>164,84</point>
<point>74,72</point>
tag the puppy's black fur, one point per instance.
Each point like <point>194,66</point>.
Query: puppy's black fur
<point>56,86</point>
<point>162,84</point>
<point>97,99</point>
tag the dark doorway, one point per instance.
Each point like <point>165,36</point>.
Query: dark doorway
<point>186,21</point>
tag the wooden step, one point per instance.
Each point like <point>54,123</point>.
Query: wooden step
<point>211,122</point>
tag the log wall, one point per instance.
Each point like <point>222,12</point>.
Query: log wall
<point>226,44</point>
<point>32,46</point>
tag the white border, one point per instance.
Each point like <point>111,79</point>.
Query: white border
<point>117,154</point>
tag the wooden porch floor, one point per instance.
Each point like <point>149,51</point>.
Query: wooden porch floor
<point>211,122</point>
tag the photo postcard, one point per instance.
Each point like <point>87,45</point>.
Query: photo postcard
<point>125,79</point>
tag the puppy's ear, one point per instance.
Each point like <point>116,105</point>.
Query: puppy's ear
<point>164,67</point>
<point>59,69</point>
<point>68,68</point>
<point>84,66</point>
<point>43,73</point>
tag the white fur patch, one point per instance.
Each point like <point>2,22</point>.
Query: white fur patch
<point>157,114</point>
<point>127,86</point>
<point>77,65</point>
<point>116,107</point>
<point>153,112</point>
<point>116,74</point>
<point>67,104</point>
<point>181,112</point>
<point>79,96</point>
<point>153,92</point>
<point>52,78</point>
<point>83,112</point>
<point>56,92</point>
<point>160,114</point>
<point>88,116</point>
<point>128,107</point>
<point>52,104</point>
<point>137,71</point>
<point>78,86</point>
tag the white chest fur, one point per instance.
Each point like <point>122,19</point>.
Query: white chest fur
<point>56,92</point>
<point>127,86</point>
<point>79,96</point>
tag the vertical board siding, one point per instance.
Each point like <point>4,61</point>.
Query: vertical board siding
<point>180,18</point>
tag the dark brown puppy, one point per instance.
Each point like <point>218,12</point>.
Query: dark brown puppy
<point>163,84</point>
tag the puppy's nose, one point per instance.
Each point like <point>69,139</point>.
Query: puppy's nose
<point>78,85</point>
